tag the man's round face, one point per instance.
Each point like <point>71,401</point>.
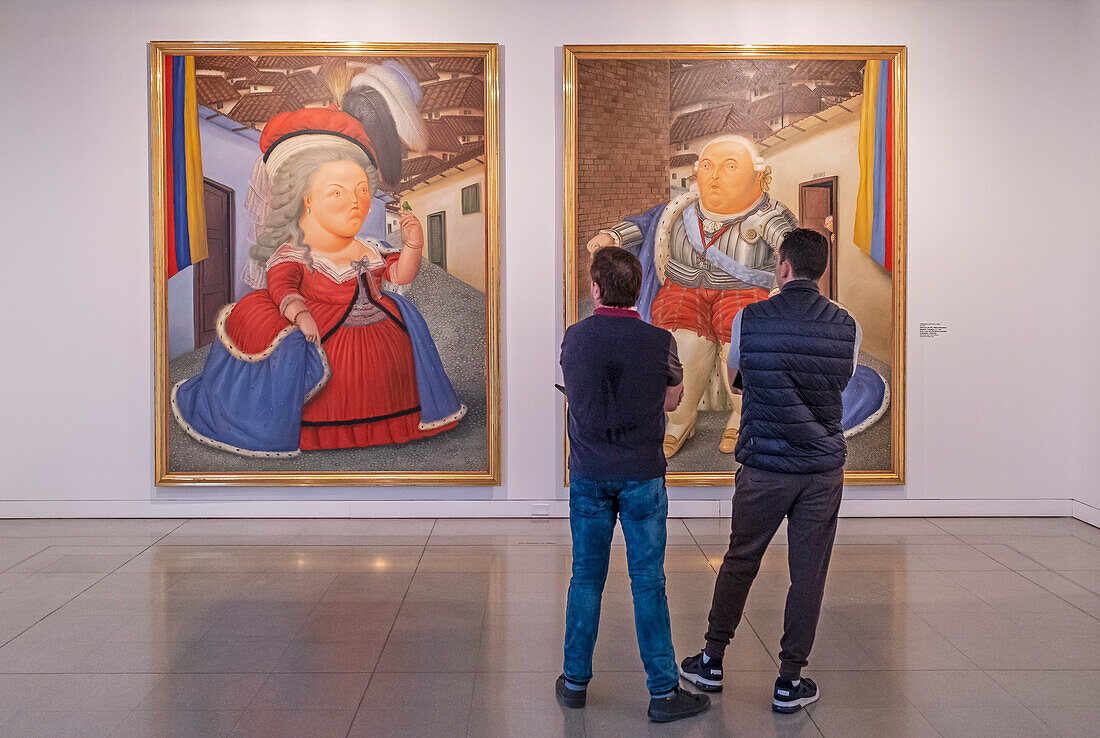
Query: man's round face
<point>727,181</point>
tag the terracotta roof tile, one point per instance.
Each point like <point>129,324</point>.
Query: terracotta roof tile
<point>261,79</point>
<point>306,87</point>
<point>442,135</point>
<point>468,152</point>
<point>683,160</point>
<point>797,100</point>
<point>247,68</point>
<point>221,62</point>
<point>466,92</point>
<point>713,121</point>
<point>260,107</point>
<point>832,91</point>
<point>828,71</point>
<point>460,64</point>
<point>706,82</point>
<point>411,168</point>
<point>211,89</point>
<point>770,76</point>
<point>467,125</point>
<point>289,61</point>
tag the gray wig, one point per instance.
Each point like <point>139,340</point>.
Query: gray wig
<point>289,187</point>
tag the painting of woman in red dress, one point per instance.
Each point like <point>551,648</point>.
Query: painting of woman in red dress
<point>323,357</point>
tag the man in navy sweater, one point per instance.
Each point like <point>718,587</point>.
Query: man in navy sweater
<point>621,375</point>
<point>795,353</point>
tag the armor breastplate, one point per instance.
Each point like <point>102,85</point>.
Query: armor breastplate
<point>687,267</point>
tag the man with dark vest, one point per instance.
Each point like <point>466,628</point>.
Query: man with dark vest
<point>621,375</point>
<point>795,353</point>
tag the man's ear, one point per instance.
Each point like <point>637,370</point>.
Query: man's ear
<point>595,292</point>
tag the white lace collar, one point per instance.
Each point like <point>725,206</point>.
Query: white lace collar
<point>322,264</point>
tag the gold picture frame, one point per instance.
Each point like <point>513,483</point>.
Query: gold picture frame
<point>617,86</point>
<point>333,469</point>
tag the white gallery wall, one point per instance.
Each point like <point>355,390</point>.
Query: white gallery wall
<point>1002,410</point>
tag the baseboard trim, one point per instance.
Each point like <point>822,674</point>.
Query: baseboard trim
<point>1086,513</point>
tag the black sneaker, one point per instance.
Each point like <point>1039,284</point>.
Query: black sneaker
<point>707,677</point>
<point>680,704</point>
<point>568,696</point>
<point>789,697</point>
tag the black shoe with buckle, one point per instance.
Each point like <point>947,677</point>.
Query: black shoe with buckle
<point>707,677</point>
<point>791,696</point>
<point>677,705</point>
<point>568,696</point>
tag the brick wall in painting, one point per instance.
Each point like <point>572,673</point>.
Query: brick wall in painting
<point>622,145</point>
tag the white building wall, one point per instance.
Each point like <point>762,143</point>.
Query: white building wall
<point>465,233</point>
<point>1002,409</point>
<point>864,287</point>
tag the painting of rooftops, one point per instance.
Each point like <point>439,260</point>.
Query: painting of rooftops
<point>327,228</point>
<point>700,163</point>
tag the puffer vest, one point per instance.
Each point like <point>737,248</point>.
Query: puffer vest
<point>796,359</point>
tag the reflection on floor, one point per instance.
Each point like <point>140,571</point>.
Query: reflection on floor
<point>454,627</point>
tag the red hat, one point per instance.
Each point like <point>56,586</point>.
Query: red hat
<point>316,123</point>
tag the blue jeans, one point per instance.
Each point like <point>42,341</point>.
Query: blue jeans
<point>642,508</point>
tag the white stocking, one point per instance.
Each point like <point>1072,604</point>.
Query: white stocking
<point>697,356</point>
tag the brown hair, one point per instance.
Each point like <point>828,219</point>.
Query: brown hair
<point>619,276</point>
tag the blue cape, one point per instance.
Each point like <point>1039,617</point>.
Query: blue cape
<point>254,408</point>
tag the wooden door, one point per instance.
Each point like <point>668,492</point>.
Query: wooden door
<point>817,204</point>
<point>213,275</point>
<point>437,239</point>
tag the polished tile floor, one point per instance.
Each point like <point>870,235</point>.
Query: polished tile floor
<point>953,627</point>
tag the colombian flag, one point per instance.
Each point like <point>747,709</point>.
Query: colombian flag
<point>186,218</point>
<point>875,201</point>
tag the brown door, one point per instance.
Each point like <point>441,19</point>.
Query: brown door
<point>816,208</point>
<point>213,275</point>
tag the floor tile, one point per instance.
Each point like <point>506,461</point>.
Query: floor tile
<point>1051,688</point>
<point>48,724</point>
<point>310,692</point>
<point>1077,721</point>
<point>868,721</point>
<point>1002,721</point>
<point>953,689</point>
<point>203,692</point>
<point>177,724</point>
<point>256,723</point>
<point>456,627</point>
<point>330,656</point>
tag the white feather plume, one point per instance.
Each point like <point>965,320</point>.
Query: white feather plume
<point>406,116</point>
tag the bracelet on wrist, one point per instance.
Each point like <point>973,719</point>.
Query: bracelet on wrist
<point>294,320</point>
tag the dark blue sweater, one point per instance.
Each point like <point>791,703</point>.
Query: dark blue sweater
<point>617,368</point>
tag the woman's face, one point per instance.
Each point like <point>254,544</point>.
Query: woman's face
<point>339,198</point>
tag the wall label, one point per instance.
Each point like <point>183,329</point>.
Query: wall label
<point>932,330</point>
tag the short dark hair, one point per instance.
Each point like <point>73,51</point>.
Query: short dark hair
<point>807,251</point>
<point>618,274</point>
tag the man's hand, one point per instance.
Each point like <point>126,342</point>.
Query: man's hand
<point>673,396</point>
<point>599,241</point>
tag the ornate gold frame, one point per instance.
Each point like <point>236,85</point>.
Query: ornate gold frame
<point>489,476</point>
<point>896,474</point>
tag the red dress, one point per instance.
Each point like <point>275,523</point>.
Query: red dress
<point>372,397</point>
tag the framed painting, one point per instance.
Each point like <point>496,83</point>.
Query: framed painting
<point>821,132</point>
<point>325,255</point>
